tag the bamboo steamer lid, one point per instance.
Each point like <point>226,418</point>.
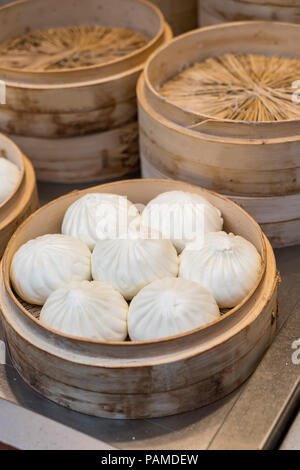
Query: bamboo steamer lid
<point>141,379</point>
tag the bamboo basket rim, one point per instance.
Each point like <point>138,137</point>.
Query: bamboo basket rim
<point>203,136</point>
<point>81,84</point>
<point>20,165</point>
<point>59,73</point>
<point>5,266</point>
<point>201,116</point>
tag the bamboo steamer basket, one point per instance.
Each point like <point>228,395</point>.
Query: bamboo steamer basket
<point>24,200</point>
<point>255,163</point>
<point>237,157</point>
<point>278,216</point>
<point>98,100</point>
<point>101,156</point>
<point>220,11</point>
<point>181,16</point>
<point>141,379</point>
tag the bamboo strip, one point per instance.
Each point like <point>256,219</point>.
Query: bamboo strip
<point>69,47</point>
<point>243,87</point>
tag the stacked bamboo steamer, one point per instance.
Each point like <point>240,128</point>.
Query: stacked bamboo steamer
<point>254,163</point>
<point>23,201</point>
<point>141,379</point>
<point>181,16</point>
<point>78,124</point>
<point>220,11</point>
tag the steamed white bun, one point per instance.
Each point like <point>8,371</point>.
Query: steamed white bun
<point>98,216</point>
<point>91,310</point>
<point>46,263</point>
<point>132,263</point>
<point>9,178</point>
<point>181,216</point>
<point>169,307</point>
<point>227,265</point>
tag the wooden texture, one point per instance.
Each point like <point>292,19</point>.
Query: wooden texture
<point>135,15</point>
<point>62,104</point>
<point>256,163</point>
<point>99,156</point>
<point>278,216</point>
<point>23,201</point>
<point>220,11</point>
<point>237,87</point>
<point>146,379</point>
<point>181,15</point>
<point>189,146</point>
<point>247,167</point>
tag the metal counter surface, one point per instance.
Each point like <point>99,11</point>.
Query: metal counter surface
<point>256,416</point>
<point>292,440</point>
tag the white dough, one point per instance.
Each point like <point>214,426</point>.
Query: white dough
<point>227,265</point>
<point>46,263</point>
<point>169,307</point>
<point>9,178</point>
<point>132,263</point>
<point>98,216</point>
<point>90,310</point>
<point>181,216</point>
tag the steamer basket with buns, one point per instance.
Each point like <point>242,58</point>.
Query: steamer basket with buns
<point>255,163</point>
<point>141,379</point>
<point>181,16</point>
<point>75,115</point>
<point>23,201</point>
<point>220,11</point>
